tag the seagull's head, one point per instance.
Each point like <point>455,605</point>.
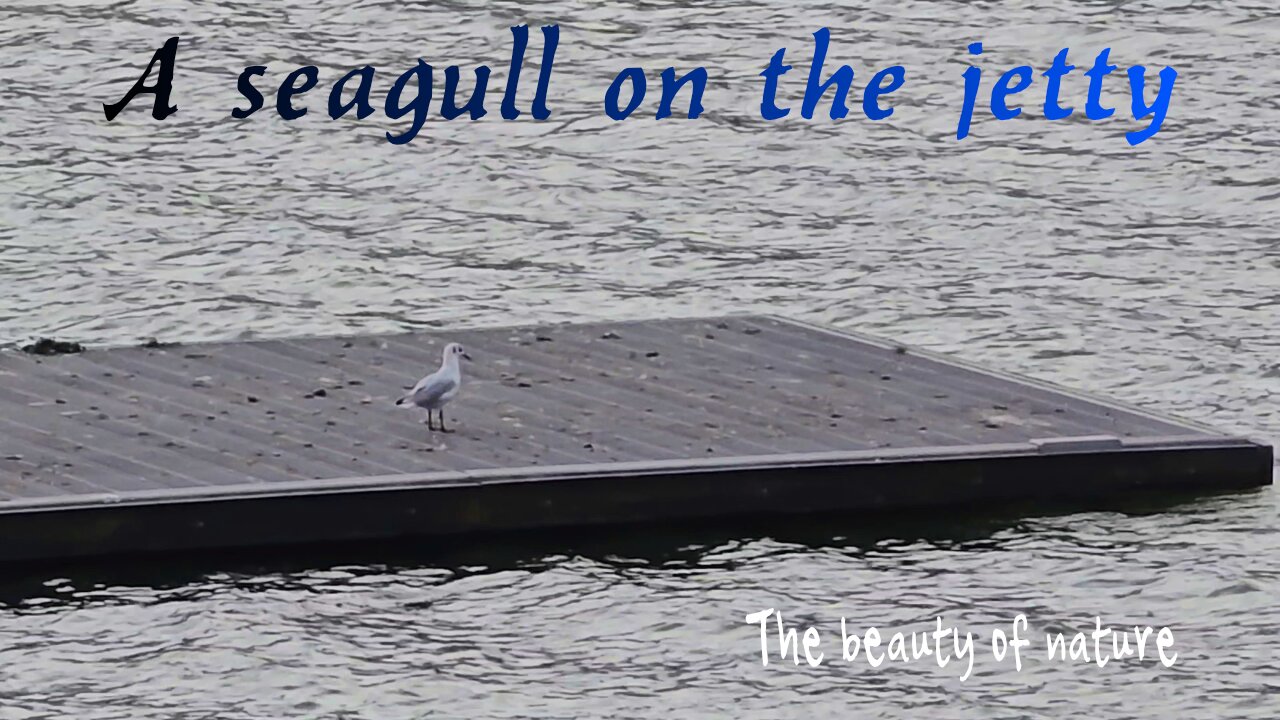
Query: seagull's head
<point>453,350</point>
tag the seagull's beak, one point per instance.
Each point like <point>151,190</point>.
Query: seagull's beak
<point>465,355</point>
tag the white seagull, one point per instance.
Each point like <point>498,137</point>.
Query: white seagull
<point>434,391</point>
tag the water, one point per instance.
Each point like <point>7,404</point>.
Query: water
<point>1150,274</point>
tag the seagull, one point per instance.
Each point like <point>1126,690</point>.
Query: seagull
<point>437,389</point>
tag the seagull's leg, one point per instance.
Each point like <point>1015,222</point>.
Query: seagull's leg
<point>442,427</point>
<point>430,426</point>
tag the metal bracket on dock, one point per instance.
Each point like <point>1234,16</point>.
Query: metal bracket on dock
<point>1095,443</point>
<point>1082,443</point>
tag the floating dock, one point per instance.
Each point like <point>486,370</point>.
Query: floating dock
<point>293,441</point>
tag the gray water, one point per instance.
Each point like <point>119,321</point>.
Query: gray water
<point>1148,273</point>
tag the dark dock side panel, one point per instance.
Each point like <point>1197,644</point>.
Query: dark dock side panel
<point>286,441</point>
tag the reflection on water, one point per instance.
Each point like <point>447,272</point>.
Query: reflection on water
<point>638,625</point>
<point>1148,273</point>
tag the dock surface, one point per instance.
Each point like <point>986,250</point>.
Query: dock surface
<point>282,441</point>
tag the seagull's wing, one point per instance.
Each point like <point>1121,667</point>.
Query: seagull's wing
<point>411,397</point>
<point>432,388</point>
<point>427,380</point>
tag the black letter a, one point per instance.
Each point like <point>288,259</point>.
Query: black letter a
<point>161,89</point>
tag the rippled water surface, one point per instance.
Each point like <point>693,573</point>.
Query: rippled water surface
<point>1149,273</point>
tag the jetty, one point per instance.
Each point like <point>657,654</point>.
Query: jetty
<point>276,442</point>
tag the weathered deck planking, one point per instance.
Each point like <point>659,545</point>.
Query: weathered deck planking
<point>278,441</point>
